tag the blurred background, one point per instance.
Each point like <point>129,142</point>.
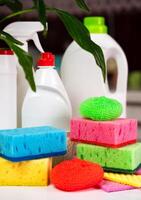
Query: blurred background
<point>123,18</point>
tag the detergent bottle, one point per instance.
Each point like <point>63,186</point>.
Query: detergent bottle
<point>49,105</point>
<point>82,77</point>
<point>24,31</point>
<point>8,90</point>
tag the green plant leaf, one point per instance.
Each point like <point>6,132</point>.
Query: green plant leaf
<point>41,8</point>
<point>81,35</point>
<point>17,14</point>
<point>26,62</point>
<point>24,58</point>
<point>14,5</point>
<point>82,4</point>
<point>11,38</point>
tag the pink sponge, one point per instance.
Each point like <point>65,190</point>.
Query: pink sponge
<point>109,186</point>
<point>115,133</point>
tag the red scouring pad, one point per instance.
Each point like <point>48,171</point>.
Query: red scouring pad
<point>76,174</point>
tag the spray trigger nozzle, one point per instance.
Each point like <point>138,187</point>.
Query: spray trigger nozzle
<point>25,31</point>
<point>37,43</point>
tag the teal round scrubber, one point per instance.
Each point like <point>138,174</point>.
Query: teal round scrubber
<point>101,108</point>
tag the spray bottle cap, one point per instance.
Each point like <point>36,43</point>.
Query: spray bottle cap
<point>95,24</point>
<point>25,31</point>
<point>46,59</point>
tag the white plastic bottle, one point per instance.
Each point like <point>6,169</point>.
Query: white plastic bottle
<point>82,77</point>
<point>24,31</point>
<point>8,90</point>
<point>49,105</point>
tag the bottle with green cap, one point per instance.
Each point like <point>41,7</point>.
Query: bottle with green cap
<point>80,73</point>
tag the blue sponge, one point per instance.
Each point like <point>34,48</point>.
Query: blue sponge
<point>32,143</point>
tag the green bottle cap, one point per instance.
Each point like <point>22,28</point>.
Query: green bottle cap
<point>95,24</point>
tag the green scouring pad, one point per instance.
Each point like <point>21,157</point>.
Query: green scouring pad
<point>101,109</point>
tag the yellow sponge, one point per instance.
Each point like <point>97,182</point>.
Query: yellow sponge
<point>133,180</point>
<point>28,173</point>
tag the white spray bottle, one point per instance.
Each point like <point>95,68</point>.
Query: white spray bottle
<point>24,31</point>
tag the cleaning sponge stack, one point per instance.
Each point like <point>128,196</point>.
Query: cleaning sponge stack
<point>33,144</point>
<point>106,139</point>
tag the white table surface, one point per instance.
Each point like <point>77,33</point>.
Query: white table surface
<point>50,193</point>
